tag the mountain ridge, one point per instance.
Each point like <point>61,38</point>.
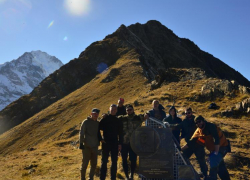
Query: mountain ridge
<point>22,75</point>
<point>137,71</point>
<point>157,47</point>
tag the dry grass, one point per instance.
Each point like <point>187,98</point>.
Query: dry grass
<point>53,132</point>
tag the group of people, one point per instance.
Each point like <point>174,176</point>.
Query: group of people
<point>118,125</point>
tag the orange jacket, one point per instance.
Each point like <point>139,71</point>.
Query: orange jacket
<point>207,136</point>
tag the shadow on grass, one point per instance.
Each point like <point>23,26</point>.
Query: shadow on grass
<point>236,161</point>
<point>232,135</point>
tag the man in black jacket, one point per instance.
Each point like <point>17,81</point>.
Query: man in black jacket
<point>112,133</point>
<point>121,109</point>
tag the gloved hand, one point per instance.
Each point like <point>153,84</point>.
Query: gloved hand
<point>81,146</point>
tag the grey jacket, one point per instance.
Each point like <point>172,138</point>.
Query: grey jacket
<point>89,133</point>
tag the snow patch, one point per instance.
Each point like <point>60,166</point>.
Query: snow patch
<point>20,76</point>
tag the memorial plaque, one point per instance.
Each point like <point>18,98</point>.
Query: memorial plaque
<point>158,161</point>
<point>145,141</point>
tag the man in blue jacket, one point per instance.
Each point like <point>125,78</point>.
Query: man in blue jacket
<point>157,111</point>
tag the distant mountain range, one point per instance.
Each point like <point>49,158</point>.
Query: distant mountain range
<point>21,76</point>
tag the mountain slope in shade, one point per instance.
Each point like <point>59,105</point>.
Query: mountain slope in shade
<point>21,76</point>
<point>156,47</point>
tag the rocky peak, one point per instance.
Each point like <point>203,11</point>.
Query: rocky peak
<point>156,47</point>
<point>21,76</point>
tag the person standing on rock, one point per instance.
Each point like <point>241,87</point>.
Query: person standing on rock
<point>211,136</point>
<point>173,119</point>
<point>112,144</point>
<point>90,138</point>
<point>157,111</point>
<point>131,122</point>
<point>121,109</point>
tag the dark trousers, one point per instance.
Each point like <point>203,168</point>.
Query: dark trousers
<point>107,148</point>
<point>89,154</point>
<point>217,165</point>
<point>199,152</point>
<point>126,150</point>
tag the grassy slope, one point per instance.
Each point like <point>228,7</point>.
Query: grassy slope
<point>54,131</point>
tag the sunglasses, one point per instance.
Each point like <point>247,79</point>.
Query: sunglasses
<point>129,109</point>
<point>188,112</point>
<point>197,122</point>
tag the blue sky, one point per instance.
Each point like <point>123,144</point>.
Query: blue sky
<point>64,28</point>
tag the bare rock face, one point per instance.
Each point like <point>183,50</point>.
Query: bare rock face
<point>243,106</point>
<point>238,109</point>
<point>246,104</point>
<point>177,74</point>
<point>244,89</point>
<point>215,88</point>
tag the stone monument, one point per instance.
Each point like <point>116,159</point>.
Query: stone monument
<point>158,154</point>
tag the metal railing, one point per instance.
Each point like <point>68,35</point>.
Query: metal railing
<point>178,158</point>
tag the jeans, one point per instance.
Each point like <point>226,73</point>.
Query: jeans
<point>126,150</point>
<point>217,165</point>
<point>199,152</point>
<point>107,148</point>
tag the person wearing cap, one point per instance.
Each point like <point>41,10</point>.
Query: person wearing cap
<point>90,138</point>
<point>173,119</point>
<point>211,136</point>
<point>188,128</point>
<point>131,122</point>
<point>121,109</point>
<point>112,144</point>
<point>157,111</point>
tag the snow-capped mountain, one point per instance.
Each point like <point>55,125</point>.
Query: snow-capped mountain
<point>22,75</point>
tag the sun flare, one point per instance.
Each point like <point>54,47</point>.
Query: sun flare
<point>77,7</point>
<point>51,24</point>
